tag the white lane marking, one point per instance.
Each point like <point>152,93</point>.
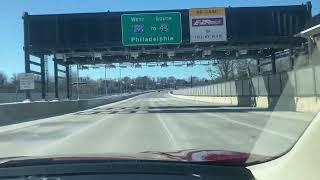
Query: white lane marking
<point>203,125</point>
<point>169,134</point>
<point>68,138</point>
<point>165,127</point>
<point>252,126</point>
<point>157,99</point>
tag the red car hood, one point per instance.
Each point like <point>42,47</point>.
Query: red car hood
<point>214,156</point>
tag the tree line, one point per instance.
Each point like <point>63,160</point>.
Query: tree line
<point>88,85</point>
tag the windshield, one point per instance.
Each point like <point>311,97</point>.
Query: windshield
<point>209,81</point>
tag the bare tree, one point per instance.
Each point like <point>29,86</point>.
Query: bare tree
<point>3,79</point>
<point>213,73</point>
<point>242,69</point>
<point>127,81</point>
<point>246,68</point>
<point>14,81</point>
<point>223,69</point>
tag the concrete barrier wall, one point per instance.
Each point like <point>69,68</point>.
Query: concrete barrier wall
<point>299,104</point>
<point>12,113</point>
<point>304,82</point>
<point>15,113</point>
<point>20,96</point>
<point>307,104</point>
<point>297,90</point>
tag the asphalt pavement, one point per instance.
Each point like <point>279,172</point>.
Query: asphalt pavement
<point>156,122</point>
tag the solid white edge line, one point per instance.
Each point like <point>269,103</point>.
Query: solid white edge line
<point>169,134</point>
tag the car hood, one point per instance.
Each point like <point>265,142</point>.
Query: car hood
<point>197,156</point>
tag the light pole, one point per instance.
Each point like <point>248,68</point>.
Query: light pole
<point>120,81</point>
<point>105,80</point>
<point>78,82</point>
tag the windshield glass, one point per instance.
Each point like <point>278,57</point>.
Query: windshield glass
<point>209,81</point>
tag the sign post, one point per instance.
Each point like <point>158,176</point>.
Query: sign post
<point>208,25</point>
<point>151,29</point>
<point>26,81</point>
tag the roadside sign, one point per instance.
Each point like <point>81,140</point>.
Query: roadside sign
<point>26,81</point>
<point>208,25</point>
<point>151,28</point>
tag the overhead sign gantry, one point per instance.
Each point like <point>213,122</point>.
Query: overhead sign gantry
<point>160,36</point>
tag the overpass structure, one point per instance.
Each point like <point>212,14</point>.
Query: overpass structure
<point>160,36</point>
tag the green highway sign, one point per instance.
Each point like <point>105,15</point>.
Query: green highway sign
<point>151,29</point>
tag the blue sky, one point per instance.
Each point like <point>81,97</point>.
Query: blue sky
<point>11,36</point>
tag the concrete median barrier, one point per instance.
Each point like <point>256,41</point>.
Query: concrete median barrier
<point>277,103</point>
<point>12,113</point>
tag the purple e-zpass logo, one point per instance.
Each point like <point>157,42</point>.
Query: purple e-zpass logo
<point>207,22</point>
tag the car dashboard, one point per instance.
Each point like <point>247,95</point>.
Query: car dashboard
<point>123,170</point>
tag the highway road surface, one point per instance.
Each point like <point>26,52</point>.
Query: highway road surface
<point>156,122</point>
